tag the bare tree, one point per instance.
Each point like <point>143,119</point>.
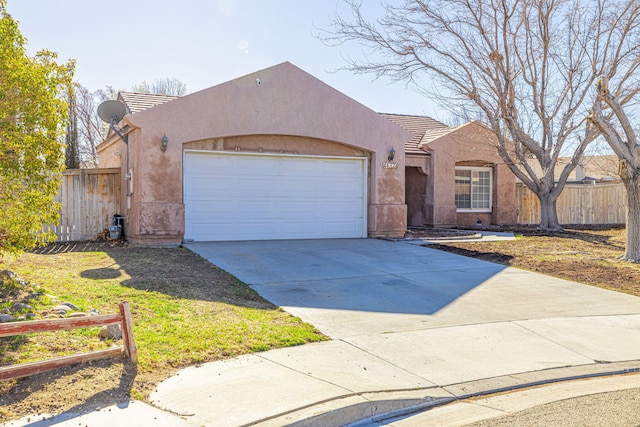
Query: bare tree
<point>90,130</point>
<point>166,86</point>
<point>615,125</point>
<point>528,66</point>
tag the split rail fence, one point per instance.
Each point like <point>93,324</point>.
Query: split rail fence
<point>579,204</point>
<point>28,327</point>
<point>89,198</point>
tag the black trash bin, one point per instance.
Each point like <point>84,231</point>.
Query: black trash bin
<point>116,231</point>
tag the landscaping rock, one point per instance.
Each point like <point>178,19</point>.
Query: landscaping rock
<point>31,316</point>
<point>94,312</point>
<point>113,332</point>
<point>63,308</point>
<point>5,310</point>
<point>20,306</point>
<point>6,318</point>
<point>77,314</point>
<point>10,276</point>
<point>71,306</point>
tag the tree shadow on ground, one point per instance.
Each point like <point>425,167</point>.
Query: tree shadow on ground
<point>177,272</point>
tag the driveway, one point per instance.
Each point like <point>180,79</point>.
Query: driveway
<point>411,326</point>
<point>351,287</point>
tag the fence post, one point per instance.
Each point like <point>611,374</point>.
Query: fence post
<point>130,348</point>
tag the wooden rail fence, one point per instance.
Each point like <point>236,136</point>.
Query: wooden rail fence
<point>578,204</point>
<point>89,198</point>
<point>27,327</point>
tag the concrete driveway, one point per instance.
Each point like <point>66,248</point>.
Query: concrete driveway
<point>351,287</point>
<point>410,326</point>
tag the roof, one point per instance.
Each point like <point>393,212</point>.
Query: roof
<point>136,102</point>
<point>424,130</point>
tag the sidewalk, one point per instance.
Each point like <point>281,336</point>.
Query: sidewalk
<point>411,328</point>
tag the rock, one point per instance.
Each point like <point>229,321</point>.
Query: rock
<point>5,310</point>
<point>113,332</point>
<point>71,306</point>
<point>6,318</point>
<point>31,316</point>
<point>94,312</point>
<point>61,307</point>
<point>22,318</point>
<point>77,314</point>
<point>20,306</point>
<point>10,276</point>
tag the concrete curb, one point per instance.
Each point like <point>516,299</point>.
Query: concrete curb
<point>363,409</point>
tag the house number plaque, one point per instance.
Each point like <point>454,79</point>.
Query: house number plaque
<point>389,165</point>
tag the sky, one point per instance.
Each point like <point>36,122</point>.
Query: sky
<point>121,43</point>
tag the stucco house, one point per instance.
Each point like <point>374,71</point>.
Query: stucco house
<point>454,175</point>
<point>278,154</point>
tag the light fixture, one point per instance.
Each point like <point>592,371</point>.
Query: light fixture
<point>163,143</point>
<point>392,154</point>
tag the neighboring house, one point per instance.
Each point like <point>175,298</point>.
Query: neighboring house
<point>278,154</point>
<point>454,176</point>
<point>590,169</point>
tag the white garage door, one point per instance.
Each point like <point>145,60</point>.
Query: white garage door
<point>230,196</point>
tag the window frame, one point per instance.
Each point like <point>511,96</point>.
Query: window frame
<point>475,170</point>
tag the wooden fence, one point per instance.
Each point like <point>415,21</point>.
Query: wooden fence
<point>27,327</point>
<point>583,204</point>
<point>89,197</point>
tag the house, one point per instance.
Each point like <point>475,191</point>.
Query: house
<point>454,175</point>
<point>589,170</point>
<point>278,154</point>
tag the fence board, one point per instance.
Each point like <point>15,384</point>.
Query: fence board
<point>89,198</point>
<point>583,204</point>
<point>19,328</point>
<point>31,368</point>
<point>34,326</point>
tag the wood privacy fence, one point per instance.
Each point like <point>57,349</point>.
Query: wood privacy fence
<point>89,197</point>
<point>32,368</point>
<point>579,204</point>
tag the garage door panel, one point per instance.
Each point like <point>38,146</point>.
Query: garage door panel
<point>254,197</point>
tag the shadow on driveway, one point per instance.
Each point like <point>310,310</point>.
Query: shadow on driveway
<point>350,274</point>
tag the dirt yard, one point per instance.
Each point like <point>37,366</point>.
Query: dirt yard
<point>585,256</point>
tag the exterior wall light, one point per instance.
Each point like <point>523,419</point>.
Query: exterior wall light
<point>392,154</point>
<point>163,143</point>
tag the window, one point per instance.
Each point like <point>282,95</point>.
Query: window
<point>473,189</point>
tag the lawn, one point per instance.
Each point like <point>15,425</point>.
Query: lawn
<point>185,311</point>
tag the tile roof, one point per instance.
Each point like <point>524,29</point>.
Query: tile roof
<point>136,102</point>
<point>424,130</point>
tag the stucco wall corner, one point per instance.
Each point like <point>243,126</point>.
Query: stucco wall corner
<point>387,220</point>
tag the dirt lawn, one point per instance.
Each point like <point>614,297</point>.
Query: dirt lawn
<point>585,256</point>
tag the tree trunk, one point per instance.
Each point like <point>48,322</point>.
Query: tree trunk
<point>548,212</point>
<point>632,250</point>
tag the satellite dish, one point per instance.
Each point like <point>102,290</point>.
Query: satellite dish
<point>111,111</point>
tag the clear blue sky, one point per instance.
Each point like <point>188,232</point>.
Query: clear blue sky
<point>120,43</point>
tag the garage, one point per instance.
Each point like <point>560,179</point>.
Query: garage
<point>257,196</point>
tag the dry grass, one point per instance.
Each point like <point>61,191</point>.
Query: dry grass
<point>185,311</point>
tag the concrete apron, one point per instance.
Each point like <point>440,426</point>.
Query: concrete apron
<point>411,327</point>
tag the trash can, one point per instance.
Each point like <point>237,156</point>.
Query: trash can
<point>116,230</point>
